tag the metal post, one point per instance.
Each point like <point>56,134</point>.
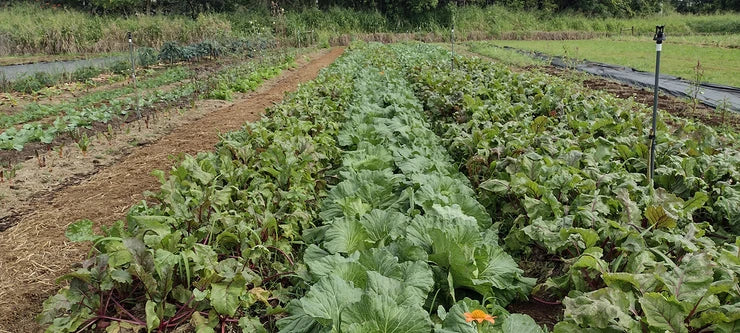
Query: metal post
<point>452,40</point>
<point>658,38</point>
<point>133,72</point>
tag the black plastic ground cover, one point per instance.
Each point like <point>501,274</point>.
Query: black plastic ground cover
<point>713,95</point>
<point>14,72</point>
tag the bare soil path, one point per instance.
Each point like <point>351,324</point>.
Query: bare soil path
<point>35,252</point>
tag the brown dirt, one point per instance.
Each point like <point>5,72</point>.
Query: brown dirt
<point>542,313</point>
<point>35,252</point>
<point>673,105</point>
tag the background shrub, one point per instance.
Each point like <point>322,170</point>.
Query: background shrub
<point>147,56</point>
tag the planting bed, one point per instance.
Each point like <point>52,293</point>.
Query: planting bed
<point>721,117</point>
<point>105,184</point>
<point>392,194</point>
<point>562,171</point>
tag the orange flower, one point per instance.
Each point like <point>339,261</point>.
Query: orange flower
<point>479,316</point>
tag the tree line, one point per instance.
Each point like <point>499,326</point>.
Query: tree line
<point>400,8</point>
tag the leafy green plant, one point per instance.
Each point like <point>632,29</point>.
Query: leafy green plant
<point>221,91</point>
<point>562,170</point>
<point>9,171</point>
<point>402,231</point>
<point>81,114</point>
<point>246,78</point>
<point>345,209</point>
<point>219,246</point>
<point>122,67</point>
<point>147,56</point>
<point>723,108</point>
<point>27,84</point>
<point>86,73</point>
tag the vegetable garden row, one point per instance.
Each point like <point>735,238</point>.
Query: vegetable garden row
<point>170,52</point>
<point>392,195</point>
<point>124,103</point>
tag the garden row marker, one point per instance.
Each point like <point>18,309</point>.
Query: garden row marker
<point>658,38</point>
<point>133,72</point>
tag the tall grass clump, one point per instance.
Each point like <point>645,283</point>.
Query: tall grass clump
<point>27,28</point>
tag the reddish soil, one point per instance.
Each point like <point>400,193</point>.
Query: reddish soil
<point>34,252</point>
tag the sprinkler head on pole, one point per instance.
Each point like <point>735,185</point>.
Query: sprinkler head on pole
<point>659,35</point>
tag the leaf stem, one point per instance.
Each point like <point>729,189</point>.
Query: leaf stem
<point>283,253</point>
<point>546,302</point>
<point>140,323</point>
<point>276,275</point>
<point>128,313</point>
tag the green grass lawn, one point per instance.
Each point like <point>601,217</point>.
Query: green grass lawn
<point>720,65</point>
<point>724,40</point>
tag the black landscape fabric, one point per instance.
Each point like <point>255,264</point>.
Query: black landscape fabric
<point>14,72</point>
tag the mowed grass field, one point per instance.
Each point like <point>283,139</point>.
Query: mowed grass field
<point>719,64</point>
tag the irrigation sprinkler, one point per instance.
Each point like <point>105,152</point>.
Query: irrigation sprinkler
<point>658,38</point>
<point>452,41</point>
<point>133,72</point>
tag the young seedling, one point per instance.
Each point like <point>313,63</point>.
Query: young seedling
<point>13,102</point>
<point>109,134</point>
<point>571,63</point>
<point>695,89</point>
<point>75,135</point>
<point>83,143</point>
<point>11,171</point>
<point>41,160</point>
<point>60,150</point>
<point>722,109</point>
